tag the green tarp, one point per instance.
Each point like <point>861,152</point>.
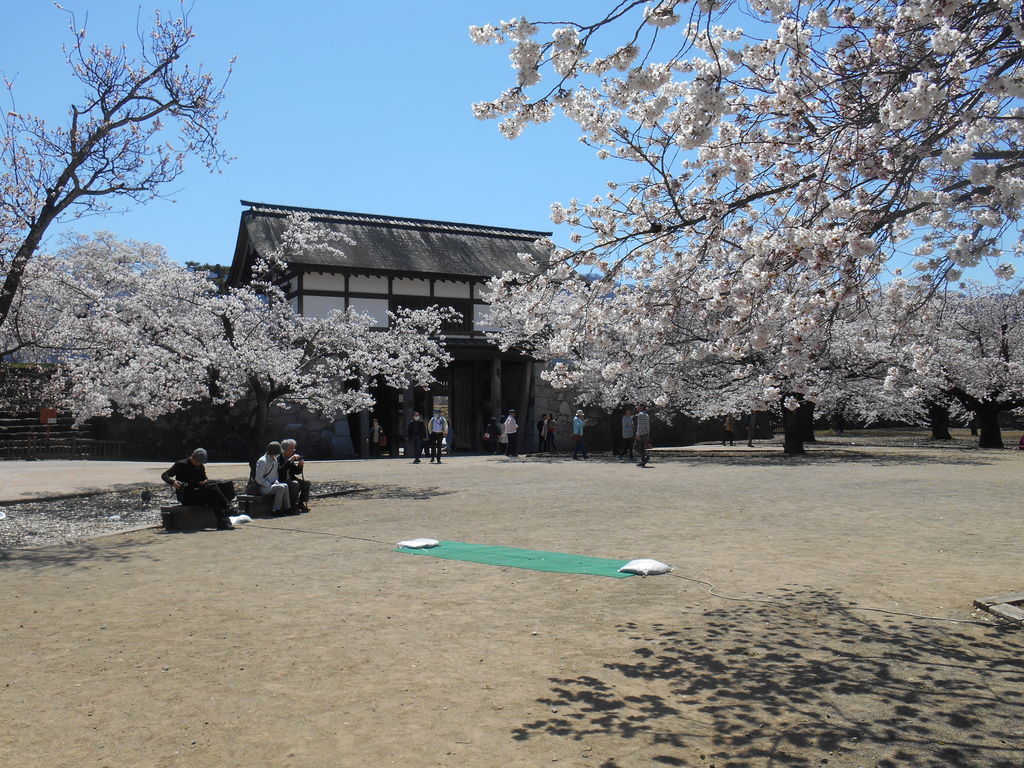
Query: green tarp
<point>531,559</point>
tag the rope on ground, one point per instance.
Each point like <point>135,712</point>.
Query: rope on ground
<point>318,533</point>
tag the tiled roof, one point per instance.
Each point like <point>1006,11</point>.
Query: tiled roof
<point>397,244</point>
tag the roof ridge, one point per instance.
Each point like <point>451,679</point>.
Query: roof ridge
<point>375,218</point>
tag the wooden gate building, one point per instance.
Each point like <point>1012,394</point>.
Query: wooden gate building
<point>391,262</point>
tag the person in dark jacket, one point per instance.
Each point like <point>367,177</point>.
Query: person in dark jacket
<point>491,439</point>
<point>417,434</point>
<point>192,487</point>
<point>290,470</point>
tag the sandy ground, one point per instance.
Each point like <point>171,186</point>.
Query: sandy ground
<point>309,641</point>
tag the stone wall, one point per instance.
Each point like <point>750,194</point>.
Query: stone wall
<point>319,437</point>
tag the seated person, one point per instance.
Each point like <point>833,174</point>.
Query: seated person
<point>289,471</point>
<point>267,482</point>
<point>192,487</point>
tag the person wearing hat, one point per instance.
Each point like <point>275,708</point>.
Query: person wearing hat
<point>438,428</point>
<point>192,487</point>
<point>512,432</point>
<point>577,435</point>
<point>268,479</point>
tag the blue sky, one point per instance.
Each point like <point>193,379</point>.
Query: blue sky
<point>346,105</point>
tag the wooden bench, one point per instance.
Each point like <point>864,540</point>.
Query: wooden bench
<point>255,505</point>
<point>197,516</point>
<point>192,517</point>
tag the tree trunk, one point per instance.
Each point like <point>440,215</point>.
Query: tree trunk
<point>938,415</point>
<point>257,430</point>
<point>793,429</point>
<point>807,421</point>
<point>988,422</point>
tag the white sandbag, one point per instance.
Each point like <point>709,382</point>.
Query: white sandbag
<point>645,567</point>
<point>239,519</point>
<point>418,543</point>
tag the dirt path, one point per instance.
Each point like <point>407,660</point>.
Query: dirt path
<point>309,642</point>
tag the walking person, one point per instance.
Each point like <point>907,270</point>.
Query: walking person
<point>437,430</point>
<point>751,428</point>
<point>730,425</point>
<point>552,430</point>
<point>578,424</point>
<point>512,433</point>
<point>377,439</point>
<point>643,435</point>
<point>491,436</point>
<point>416,433</point>
<point>502,437</point>
<point>628,434</point>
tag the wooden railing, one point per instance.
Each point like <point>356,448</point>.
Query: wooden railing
<point>59,447</point>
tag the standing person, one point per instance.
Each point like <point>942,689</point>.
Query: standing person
<point>377,438</point>
<point>290,471</point>
<point>643,435</point>
<point>542,432</point>
<point>552,430</point>
<point>491,436</point>
<point>730,424</point>
<point>577,435</point>
<point>512,433</point>
<point>502,437</point>
<point>437,429</point>
<point>751,428</point>
<point>268,482</point>
<point>628,433</point>
<point>191,485</point>
<point>416,432</point>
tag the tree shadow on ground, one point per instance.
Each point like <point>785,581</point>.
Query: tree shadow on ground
<point>807,682</point>
<point>73,555</point>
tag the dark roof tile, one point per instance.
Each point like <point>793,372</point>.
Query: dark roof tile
<point>399,244</point>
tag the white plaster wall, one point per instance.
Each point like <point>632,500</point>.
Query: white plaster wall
<point>321,306</point>
<point>375,308</point>
<point>410,287</point>
<point>367,284</point>
<point>451,289</point>
<point>320,281</point>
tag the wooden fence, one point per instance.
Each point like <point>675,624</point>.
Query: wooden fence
<point>59,447</point>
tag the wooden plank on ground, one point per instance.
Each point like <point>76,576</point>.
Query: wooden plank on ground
<point>985,602</point>
<point>1007,611</point>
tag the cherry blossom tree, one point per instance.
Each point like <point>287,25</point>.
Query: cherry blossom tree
<point>969,353</point>
<point>134,333</point>
<point>140,117</point>
<point>766,175</point>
